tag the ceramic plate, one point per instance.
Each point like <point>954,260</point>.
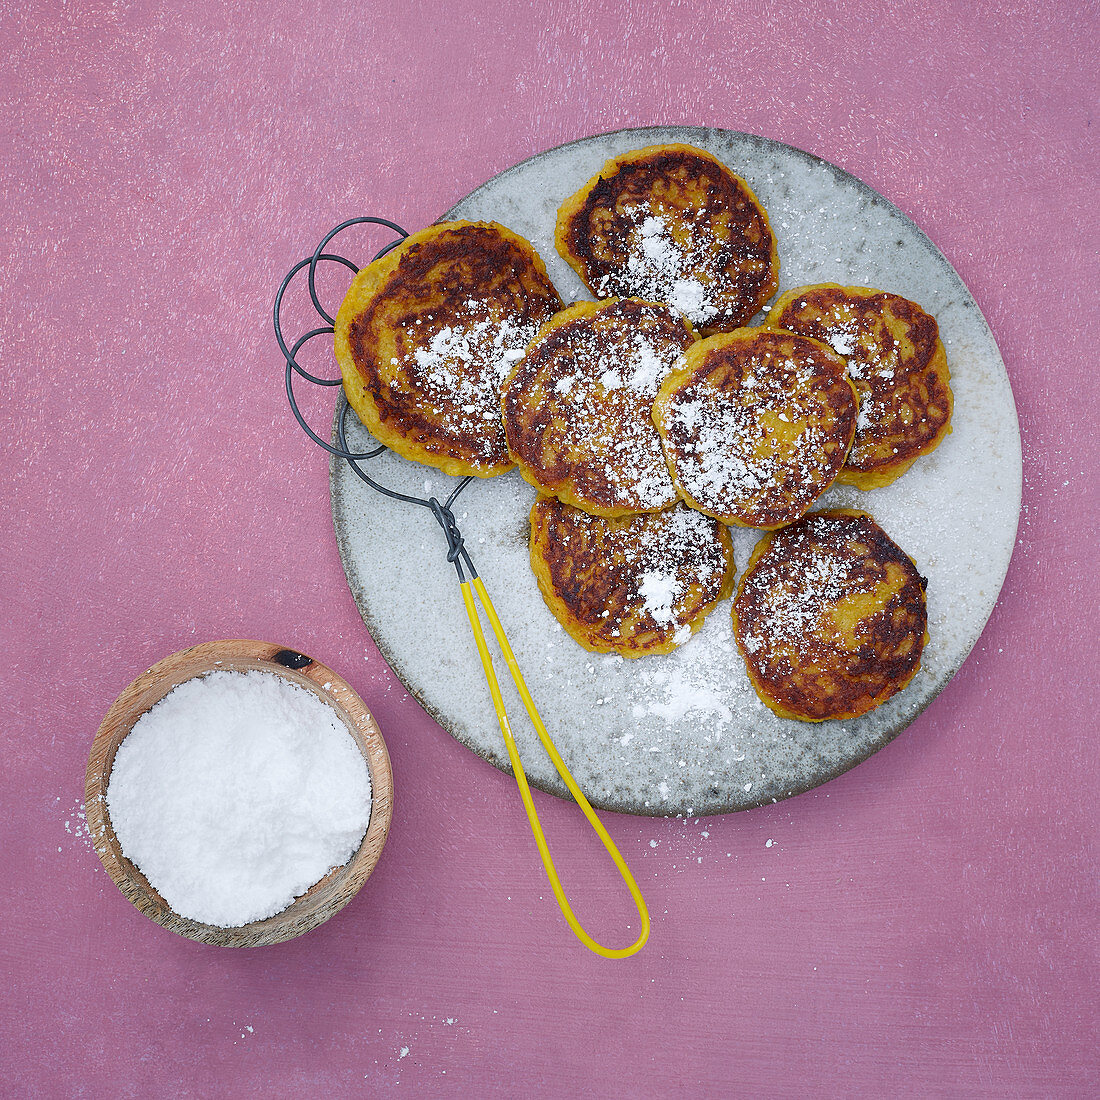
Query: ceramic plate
<point>685,734</point>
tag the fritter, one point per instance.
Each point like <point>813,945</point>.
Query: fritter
<point>830,617</point>
<point>897,363</point>
<point>756,425</point>
<point>671,223</point>
<point>577,407</point>
<point>634,585</point>
<point>427,334</point>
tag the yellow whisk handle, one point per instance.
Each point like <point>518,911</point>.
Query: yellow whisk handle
<point>559,764</point>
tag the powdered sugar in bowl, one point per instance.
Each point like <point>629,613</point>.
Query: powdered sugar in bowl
<point>253,799</point>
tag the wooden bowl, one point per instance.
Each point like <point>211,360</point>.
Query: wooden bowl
<point>323,899</point>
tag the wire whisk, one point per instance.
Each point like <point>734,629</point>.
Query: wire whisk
<point>470,583</point>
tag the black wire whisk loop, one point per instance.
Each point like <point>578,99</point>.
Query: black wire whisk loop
<point>443,513</point>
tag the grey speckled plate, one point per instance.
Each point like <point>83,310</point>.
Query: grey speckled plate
<point>685,733</point>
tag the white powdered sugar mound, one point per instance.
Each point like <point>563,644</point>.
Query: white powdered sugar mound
<point>659,591</point>
<point>236,793</point>
<point>844,339</point>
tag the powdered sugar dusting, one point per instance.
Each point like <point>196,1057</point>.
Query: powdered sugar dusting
<point>727,453</point>
<point>661,269</point>
<point>701,680</point>
<point>590,428</point>
<point>659,591</point>
<point>667,553</point>
<point>460,370</point>
<point>882,358</point>
<point>795,591</point>
<point>633,583</point>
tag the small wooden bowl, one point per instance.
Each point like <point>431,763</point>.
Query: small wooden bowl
<point>322,900</point>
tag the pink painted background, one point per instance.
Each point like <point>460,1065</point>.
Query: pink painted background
<point>923,926</point>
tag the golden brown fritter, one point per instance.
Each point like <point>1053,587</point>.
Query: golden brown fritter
<point>577,407</point>
<point>897,364</point>
<point>671,223</point>
<point>756,425</point>
<point>830,617</point>
<point>428,333</point>
<point>633,585</point>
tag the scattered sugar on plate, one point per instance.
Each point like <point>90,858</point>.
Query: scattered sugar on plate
<point>236,793</point>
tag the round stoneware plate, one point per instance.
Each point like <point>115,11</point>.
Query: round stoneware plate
<point>686,734</point>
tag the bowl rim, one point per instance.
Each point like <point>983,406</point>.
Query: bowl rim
<point>327,896</point>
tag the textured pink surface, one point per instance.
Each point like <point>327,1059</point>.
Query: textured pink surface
<point>925,925</point>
